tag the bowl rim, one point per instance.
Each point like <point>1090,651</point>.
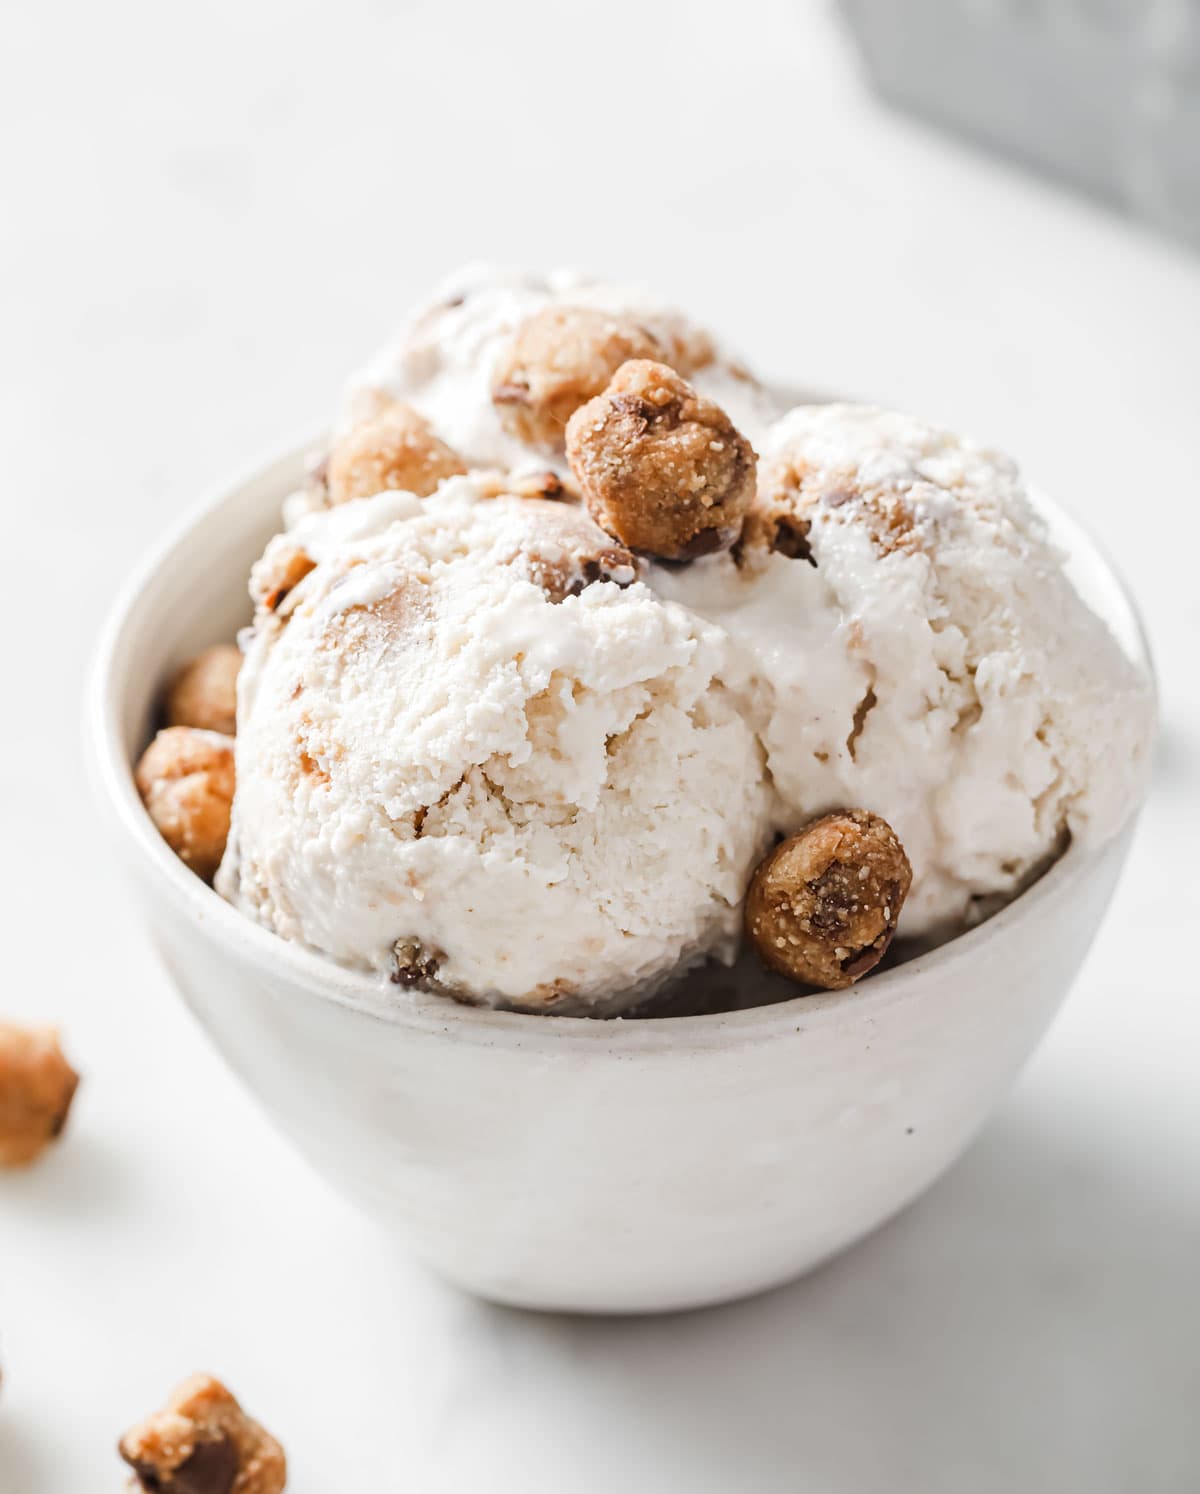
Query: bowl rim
<point>366,995</point>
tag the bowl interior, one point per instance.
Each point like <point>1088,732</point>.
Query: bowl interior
<point>191,591</point>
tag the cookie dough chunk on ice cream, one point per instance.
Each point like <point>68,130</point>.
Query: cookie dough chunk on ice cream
<point>476,753</point>
<point>921,651</point>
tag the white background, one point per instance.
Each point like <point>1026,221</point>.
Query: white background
<point>210,213</point>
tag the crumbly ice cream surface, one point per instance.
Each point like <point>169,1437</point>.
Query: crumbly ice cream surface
<point>457,760</point>
<point>931,659</point>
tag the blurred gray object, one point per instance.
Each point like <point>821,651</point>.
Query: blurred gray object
<point>1103,92</point>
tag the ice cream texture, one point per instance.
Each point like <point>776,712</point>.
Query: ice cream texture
<point>484,749</point>
<point>457,762</point>
<point>927,656</point>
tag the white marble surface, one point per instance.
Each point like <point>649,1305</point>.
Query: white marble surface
<point>210,213</point>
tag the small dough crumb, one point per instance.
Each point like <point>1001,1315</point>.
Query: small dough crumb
<point>202,1442</point>
<point>661,468</point>
<point>204,692</point>
<point>186,778</point>
<point>822,906</point>
<point>393,448</point>
<point>37,1085</point>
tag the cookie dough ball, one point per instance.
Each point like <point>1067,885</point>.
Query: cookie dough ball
<point>393,448</point>
<point>37,1085</point>
<point>483,759</point>
<point>204,692</point>
<point>186,778</point>
<point>559,359</point>
<point>661,468</point>
<point>822,906</point>
<point>202,1442</point>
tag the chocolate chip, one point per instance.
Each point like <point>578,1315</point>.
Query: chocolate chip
<point>638,413</point>
<point>412,964</point>
<point>867,958</point>
<point>703,542</point>
<point>861,711</point>
<point>619,571</point>
<point>791,539</point>
<point>211,1469</point>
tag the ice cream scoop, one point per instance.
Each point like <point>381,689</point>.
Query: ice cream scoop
<point>920,650</point>
<point>477,754</point>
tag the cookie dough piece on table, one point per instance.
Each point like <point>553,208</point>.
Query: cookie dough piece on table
<point>202,1442</point>
<point>37,1085</point>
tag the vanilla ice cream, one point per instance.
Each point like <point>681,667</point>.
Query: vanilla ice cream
<point>483,748</point>
<point>472,748</point>
<point>925,655</point>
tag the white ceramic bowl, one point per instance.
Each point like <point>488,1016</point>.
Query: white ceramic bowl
<point>603,1166</point>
